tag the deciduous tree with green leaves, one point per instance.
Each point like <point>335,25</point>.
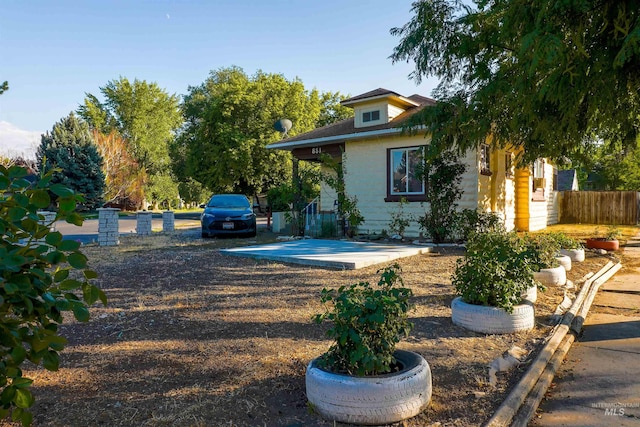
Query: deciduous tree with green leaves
<point>229,123</point>
<point>42,275</point>
<point>70,150</point>
<point>144,114</point>
<point>552,77</point>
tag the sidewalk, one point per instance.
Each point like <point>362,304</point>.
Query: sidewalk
<point>599,382</point>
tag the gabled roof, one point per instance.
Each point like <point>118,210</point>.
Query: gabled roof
<point>345,129</point>
<point>566,178</point>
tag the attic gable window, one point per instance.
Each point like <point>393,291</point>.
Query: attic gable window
<point>371,116</point>
<point>403,178</point>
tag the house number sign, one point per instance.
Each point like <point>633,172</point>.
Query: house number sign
<point>316,150</point>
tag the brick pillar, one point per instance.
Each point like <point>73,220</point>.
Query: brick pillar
<point>108,232</point>
<point>143,223</point>
<point>168,221</point>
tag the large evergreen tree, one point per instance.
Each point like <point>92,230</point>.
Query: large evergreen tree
<point>553,77</point>
<point>70,148</point>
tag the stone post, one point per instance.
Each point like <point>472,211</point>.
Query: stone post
<point>108,231</point>
<point>143,223</point>
<point>168,221</point>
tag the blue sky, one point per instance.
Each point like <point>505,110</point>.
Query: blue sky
<point>53,52</point>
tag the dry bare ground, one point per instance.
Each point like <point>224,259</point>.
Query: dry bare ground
<point>192,337</point>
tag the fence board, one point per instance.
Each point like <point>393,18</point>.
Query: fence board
<point>599,207</point>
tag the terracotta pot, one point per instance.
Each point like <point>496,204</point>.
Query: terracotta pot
<point>602,243</point>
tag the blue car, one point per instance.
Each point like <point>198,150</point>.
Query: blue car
<point>228,214</point>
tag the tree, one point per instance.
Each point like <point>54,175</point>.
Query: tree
<point>229,122</point>
<point>4,86</point>
<point>551,77</point>
<point>38,283</point>
<point>124,179</point>
<point>332,111</point>
<point>143,113</point>
<point>69,149</point>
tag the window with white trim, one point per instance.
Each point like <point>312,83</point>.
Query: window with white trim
<point>405,164</point>
<point>485,159</point>
<point>539,181</point>
<point>508,164</point>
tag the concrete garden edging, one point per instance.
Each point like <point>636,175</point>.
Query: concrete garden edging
<point>536,380</point>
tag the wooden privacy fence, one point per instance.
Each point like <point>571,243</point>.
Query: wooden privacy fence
<point>599,207</point>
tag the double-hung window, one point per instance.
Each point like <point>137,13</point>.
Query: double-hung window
<point>405,177</point>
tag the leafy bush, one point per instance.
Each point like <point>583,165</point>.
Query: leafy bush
<point>39,274</point>
<point>443,173</point>
<point>496,269</point>
<point>612,233</point>
<point>565,241</point>
<point>399,220</point>
<point>470,220</point>
<point>280,198</point>
<point>544,249</point>
<point>367,322</point>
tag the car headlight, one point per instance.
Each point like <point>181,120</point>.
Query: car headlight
<point>247,216</point>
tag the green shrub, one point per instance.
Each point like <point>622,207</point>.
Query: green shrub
<point>400,221</point>
<point>496,269</point>
<point>40,274</point>
<point>565,241</point>
<point>544,249</point>
<point>280,198</point>
<point>474,221</point>
<point>368,322</point>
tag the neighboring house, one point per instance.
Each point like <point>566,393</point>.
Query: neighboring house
<point>568,180</point>
<point>379,163</point>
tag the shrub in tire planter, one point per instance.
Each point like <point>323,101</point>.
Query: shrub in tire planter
<point>362,378</point>
<point>569,246</point>
<point>492,280</point>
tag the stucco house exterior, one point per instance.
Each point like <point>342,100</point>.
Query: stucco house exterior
<point>379,159</point>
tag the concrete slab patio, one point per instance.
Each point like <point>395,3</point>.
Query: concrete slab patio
<point>339,254</point>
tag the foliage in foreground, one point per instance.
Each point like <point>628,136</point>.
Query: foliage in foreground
<point>552,77</point>
<point>40,276</point>
<point>368,322</point>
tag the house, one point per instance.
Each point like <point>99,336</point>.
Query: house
<point>567,180</point>
<point>379,162</point>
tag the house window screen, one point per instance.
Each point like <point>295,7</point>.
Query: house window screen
<point>371,116</point>
<point>405,165</point>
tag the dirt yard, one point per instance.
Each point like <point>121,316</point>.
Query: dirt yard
<point>195,338</point>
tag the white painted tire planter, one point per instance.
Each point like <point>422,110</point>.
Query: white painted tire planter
<point>551,276</point>
<point>576,255</point>
<point>492,320</point>
<point>374,400</point>
<point>564,261</point>
<point>531,294</point>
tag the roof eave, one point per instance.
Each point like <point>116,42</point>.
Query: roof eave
<point>332,139</point>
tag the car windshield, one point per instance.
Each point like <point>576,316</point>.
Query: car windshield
<point>228,201</point>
